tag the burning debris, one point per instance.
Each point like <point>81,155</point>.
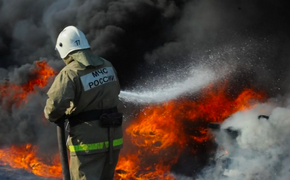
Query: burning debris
<point>21,120</point>
<point>160,139</point>
<point>167,133</point>
<point>173,137</point>
<point>25,157</point>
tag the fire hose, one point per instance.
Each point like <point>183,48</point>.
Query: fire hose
<point>62,149</point>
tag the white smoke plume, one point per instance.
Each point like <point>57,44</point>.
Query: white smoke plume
<point>259,150</point>
<point>146,39</point>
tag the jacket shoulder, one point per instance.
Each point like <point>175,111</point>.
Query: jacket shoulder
<point>70,69</point>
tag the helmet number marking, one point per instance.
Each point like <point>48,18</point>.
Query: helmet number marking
<point>77,42</point>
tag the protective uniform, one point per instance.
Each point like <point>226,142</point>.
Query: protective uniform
<point>84,90</point>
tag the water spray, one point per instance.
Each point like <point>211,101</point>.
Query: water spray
<point>195,79</point>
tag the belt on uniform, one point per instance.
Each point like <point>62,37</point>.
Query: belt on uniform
<point>91,115</point>
<point>110,118</point>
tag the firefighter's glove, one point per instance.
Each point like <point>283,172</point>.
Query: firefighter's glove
<point>60,121</point>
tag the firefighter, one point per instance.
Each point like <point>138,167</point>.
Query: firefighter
<point>86,91</point>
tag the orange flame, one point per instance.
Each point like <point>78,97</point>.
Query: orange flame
<point>153,141</point>
<point>16,94</point>
<point>161,132</point>
<point>24,157</point>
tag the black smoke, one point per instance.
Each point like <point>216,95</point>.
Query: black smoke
<point>144,39</point>
<point>147,36</point>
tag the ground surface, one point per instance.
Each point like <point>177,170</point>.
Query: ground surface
<point>8,173</point>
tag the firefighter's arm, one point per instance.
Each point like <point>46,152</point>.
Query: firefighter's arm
<point>60,94</point>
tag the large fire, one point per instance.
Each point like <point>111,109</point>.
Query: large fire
<point>153,142</point>
<point>25,156</point>
<point>161,132</point>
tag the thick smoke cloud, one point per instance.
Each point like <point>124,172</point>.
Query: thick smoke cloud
<point>22,120</point>
<point>147,35</point>
<point>251,33</point>
<point>121,31</point>
<point>144,39</point>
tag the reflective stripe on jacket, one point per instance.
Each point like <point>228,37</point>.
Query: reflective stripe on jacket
<point>94,139</point>
<point>94,146</point>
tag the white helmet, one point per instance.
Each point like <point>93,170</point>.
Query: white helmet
<point>71,39</point>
